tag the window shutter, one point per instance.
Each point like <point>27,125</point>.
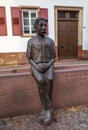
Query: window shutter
<point>16,21</point>
<point>3,27</point>
<point>44,14</point>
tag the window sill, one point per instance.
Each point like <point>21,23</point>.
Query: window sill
<point>25,36</point>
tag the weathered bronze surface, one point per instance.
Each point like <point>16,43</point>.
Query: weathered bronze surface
<point>41,55</point>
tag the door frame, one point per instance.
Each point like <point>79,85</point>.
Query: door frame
<point>80,25</point>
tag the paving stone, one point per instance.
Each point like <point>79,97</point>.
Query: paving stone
<point>2,123</point>
<point>76,127</point>
<point>77,120</point>
<point>4,128</point>
<point>83,125</point>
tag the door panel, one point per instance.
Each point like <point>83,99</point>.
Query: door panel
<point>62,35</point>
<point>67,37</point>
<point>72,39</point>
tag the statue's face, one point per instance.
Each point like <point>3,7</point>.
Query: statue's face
<point>41,28</point>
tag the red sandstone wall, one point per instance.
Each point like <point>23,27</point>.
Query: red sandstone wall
<point>13,58</point>
<point>19,94</point>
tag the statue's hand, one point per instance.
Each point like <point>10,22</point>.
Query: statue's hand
<point>43,67</point>
<point>47,65</point>
<point>40,67</point>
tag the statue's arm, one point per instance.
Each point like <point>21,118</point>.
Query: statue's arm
<point>29,51</point>
<point>38,67</point>
<point>53,50</point>
<point>29,56</point>
<point>53,53</point>
<point>49,64</point>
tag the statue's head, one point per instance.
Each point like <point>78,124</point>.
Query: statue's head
<point>40,26</point>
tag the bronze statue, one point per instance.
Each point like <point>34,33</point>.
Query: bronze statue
<point>41,55</point>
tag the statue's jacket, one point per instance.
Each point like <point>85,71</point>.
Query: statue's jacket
<point>40,50</point>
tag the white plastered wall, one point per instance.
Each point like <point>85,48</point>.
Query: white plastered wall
<point>11,43</point>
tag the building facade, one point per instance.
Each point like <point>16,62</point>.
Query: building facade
<point>67,26</point>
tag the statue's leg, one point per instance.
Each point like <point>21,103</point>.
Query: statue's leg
<point>49,84</point>
<point>45,115</point>
<point>48,77</point>
<point>43,93</point>
<point>49,111</point>
<point>48,98</point>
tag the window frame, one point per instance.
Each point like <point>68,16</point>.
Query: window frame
<point>37,8</point>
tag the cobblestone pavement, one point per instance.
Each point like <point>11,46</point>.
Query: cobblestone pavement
<point>74,118</point>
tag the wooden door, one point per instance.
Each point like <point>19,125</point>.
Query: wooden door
<point>67,34</point>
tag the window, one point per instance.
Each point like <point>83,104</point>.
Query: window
<point>28,18</point>
<point>61,14</point>
<point>73,15</point>
<point>67,15</point>
<point>23,20</point>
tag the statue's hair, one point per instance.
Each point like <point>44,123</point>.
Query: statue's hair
<point>37,21</point>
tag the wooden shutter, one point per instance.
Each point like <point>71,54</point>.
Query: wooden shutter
<point>44,14</point>
<point>3,28</point>
<point>16,21</point>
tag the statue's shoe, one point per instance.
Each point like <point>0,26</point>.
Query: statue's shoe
<point>52,110</point>
<point>48,117</point>
<point>42,115</point>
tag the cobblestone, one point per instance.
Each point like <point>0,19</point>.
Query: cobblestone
<point>74,118</point>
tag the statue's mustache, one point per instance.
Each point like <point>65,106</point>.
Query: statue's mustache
<point>43,31</point>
